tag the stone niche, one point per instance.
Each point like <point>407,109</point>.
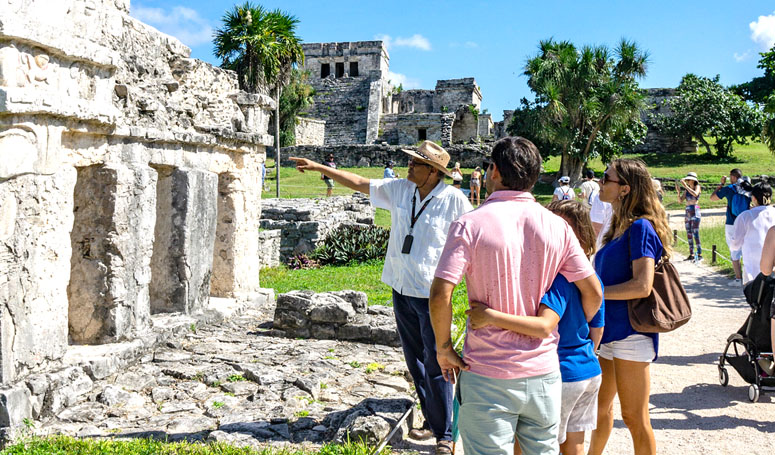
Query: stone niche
<point>129,182</point>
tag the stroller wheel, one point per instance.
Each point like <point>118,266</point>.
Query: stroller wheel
<point>753,393</point>
<point>723,376</point>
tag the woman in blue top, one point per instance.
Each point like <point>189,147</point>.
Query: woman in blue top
<point>638,237</point>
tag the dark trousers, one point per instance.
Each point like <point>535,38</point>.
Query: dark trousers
<point>414,327</point>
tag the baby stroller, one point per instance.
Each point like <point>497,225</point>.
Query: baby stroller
<point>752,342</point>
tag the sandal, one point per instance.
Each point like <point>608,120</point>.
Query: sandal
<point>444,447</point>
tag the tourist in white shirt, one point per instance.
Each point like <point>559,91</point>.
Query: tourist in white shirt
<point>750,229</point>
<point>589,188</point>
<point>564,192</point>
<point>600,214</point>
<point>422,207</point>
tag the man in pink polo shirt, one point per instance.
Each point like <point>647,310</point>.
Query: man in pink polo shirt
<point>510,250</point>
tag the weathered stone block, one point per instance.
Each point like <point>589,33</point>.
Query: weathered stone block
<point>184,237</point>
<point>330,308</point>
<point>15,406</point>
<point>112,240</point>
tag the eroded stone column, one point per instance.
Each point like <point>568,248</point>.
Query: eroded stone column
<point>37,215</point>
<point>181,265</point>
<point>112,241</point>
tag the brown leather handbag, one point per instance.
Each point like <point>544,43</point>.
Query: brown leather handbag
<point>666,308</point>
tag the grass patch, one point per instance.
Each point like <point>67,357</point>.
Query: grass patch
<point>709,236</point>
<point>65,445</point>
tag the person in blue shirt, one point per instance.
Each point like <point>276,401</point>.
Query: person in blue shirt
<point>724,191</point>
<point>389,172</point>
<point>579,368</point>
<point>639,237</point>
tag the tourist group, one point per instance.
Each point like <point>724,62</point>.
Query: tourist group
<point>543,357</point>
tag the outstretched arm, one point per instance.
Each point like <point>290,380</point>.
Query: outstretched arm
<point>348,179</point>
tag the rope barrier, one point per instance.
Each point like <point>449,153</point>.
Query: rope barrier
<point>714,248</point>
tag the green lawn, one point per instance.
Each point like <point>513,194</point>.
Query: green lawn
<point>64,445</point>
<point>709,236</point>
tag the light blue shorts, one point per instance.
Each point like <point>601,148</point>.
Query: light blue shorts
<point>493,412</point>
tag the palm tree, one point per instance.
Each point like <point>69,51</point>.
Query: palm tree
<point>586,98</point>
<point>262,47</point>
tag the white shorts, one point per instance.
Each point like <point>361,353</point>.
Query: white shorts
<point>737,254</point>
<point>579,406</point>
<point>636,348</point>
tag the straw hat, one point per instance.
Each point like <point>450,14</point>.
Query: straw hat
<point>433,154</point>
<point>691,176</point>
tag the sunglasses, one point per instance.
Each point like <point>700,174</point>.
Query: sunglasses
<point>415,162</point>
<point>606,179</point>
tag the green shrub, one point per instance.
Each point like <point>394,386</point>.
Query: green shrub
<point>353,244</point>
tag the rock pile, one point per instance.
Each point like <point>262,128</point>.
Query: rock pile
<point>342,315</point>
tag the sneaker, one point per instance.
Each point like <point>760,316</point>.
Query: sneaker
<point>699,258</point>
<point>736,283</point>
<point>690,258</point>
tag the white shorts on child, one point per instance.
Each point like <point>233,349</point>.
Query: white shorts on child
<point>578,411</point>
<point>636,348</point>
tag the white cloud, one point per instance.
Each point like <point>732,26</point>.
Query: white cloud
<point>742,57</point>
<point>763,31</point>
<point>183,23</point>
<point>401,79</point>
<point>470,45</point>
<point>416,41</point>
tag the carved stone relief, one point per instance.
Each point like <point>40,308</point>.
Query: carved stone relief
<point>18,152</point>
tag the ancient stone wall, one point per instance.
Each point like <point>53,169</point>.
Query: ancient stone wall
<point>485,125</point>
<point>413,101</point>
<point>469,156</point>
<point>409,129</point>
<point>270,247</point>
<point>130,179</point>
<point>305,223</point>
<point>465,128</point>
<point>310,131</point>
<point>454,93</point>
<point>499,129</point>
<point>656,142</point>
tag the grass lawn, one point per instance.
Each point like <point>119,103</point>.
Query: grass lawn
<point>709,236</point>
<point>364,277</point>
<point>64,445</point>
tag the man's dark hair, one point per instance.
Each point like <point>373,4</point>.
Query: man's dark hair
<point>518,162</point>
<point>736,172</point>
<point>590,174</point>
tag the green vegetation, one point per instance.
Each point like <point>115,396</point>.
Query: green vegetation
<point>352,244</point>
<point>218,404</point>
<point>64,445</point>
<point>355,364</point>
<point>236,378</point>
<point>709,236</point>
<point>296,97</point>
<point>374,366</point>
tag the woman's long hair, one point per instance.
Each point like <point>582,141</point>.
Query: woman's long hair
<point>762,193</point>
<point>577,215</point>
<point>640,202</point>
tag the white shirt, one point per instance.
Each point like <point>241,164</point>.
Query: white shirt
<point>589,190</point>
<point>564,192</point>
<point>601,213</point>
<point>411,274</point>
<point>748,234</point>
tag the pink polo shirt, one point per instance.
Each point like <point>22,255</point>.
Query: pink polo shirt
<point>510,249</point>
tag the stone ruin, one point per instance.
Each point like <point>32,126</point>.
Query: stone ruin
<point>360,105</point>
<point>298,226</point>
<point>656,142</point>
<point>129,190</point>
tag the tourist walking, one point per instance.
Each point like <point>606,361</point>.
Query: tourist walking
<point>751,227</point>
<point>329,181</point>
<point>389,172</point>
<point>579,368</point>
<point>422,207</point>
<point>600,214</point>
<point>589,188</point>
<point>737,202</point>
<point>638,238</point>
<point>457,176</point>
<point>476,185</point>
<point>510,251</point>
<point>689,192</point>
<point>563,192</point>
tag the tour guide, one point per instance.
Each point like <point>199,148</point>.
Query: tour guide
<point>421,207</point>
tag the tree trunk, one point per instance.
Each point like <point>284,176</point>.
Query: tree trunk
<point>705,143</point>
<point>277,138</point>
<point>571,166</point>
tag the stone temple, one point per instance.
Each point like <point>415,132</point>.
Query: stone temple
<point>129,181</point>
<point>356,103</point>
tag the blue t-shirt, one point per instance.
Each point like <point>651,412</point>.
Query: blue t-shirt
<point>613,266</point>
<point>727,192</point>
<point>389,173</point>
<point>575,349</point>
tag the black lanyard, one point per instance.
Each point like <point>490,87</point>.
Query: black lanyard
<point>416,217</point>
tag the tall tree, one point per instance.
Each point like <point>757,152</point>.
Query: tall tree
<point>262,47</point>
<point>759,88</point>
<point>296,97</point>
<point>704,108</point>
<point>587,102</point>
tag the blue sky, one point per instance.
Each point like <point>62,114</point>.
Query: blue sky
<point>430,40</point>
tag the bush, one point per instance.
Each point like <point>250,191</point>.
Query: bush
<point>352,243</point>
<point>302,261</point>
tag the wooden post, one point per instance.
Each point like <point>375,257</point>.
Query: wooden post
<point>713,255</point>
<point>675,236</point>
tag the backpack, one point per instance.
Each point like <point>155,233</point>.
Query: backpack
<point>740,202</point>
<point>566,195</point>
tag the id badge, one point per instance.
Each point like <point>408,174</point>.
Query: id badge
<point>407,244</point>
